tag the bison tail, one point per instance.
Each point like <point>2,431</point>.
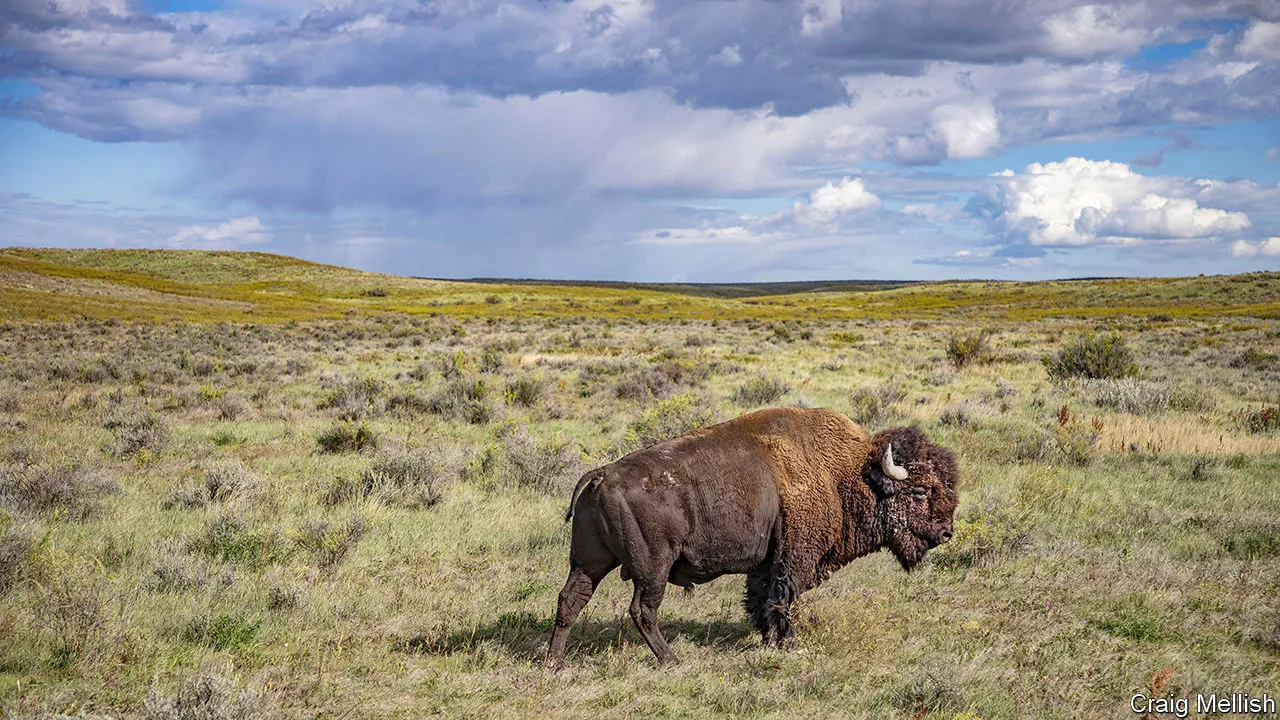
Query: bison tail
<point>583,482</point>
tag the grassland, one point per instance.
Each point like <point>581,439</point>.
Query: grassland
<point>248,485</point>
<point>56,284</point>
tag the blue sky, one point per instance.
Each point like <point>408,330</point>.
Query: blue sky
<point>650,139</point>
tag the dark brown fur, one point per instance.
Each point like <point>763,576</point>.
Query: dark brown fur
<point>786,496</point>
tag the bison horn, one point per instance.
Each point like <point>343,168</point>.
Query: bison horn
<point>889,467</point>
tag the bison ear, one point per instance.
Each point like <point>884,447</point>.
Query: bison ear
<point>884,485</point>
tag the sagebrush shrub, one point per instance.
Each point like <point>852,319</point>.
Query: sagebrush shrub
<point>329,542</point>
<point>226,538</point>
<point>968,349</point>
<point>143,432</point>
<point>760,391</point>
<point>872,406</point>
<point>73,491</point>
<point>463,398</point>
<point>1262,420</point>
<point>1093,357</point>
<point>174,570</point>
<point>523,390</point>
<point>544,464</point>
<point>668,418</point>
<point>346,436</point>
<point>231,407</point>
<point>16,544</point>
<point>415,479</point>
<point>1132,396</point>
<point>354,399</point>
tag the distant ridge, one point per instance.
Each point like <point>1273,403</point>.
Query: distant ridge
<point>710,289</point>
<point>227,286</point>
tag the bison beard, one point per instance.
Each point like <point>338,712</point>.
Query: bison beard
<point>786,496</point>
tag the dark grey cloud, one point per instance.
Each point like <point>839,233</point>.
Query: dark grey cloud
<point>793,56</point>
<point>542,130</point>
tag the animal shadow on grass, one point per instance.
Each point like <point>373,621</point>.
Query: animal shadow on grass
<point>525,636</point>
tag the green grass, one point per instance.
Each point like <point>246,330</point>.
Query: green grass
<point>1080,570</point>
<point>258,287</point>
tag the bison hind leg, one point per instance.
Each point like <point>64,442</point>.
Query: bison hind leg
<point>575,595</point>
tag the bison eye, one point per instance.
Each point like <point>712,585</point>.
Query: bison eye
<point>919,493</point>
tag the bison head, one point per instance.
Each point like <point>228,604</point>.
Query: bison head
<point>915,484</point>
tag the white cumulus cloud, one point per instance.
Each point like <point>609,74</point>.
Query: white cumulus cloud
<point>1261,41</point>
<point>966,131</point>
<point>240,231</point>
<point>820,214</point>
<point>1085,202</point>
<point>829,202</point>
<point>1269,247</point>
<point>1092,30</point>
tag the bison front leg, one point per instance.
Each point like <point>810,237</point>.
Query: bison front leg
<point>770,592</point>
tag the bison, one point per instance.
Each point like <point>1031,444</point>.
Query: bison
<point>786,496</point>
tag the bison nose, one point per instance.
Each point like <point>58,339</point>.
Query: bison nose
<point>946,535</point>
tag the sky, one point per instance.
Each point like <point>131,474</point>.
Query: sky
<point>652,140</point>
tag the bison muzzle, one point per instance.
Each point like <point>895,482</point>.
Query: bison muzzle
<point>786,496</point>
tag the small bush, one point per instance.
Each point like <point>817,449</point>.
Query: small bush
<point>1076,444</point>
<point>940,377</point>
<point>1093,357</point>
<point>463,398</point>
<point>1133,620</point>
<point>231,407</point>
<point>346,436</point>
<point>283,597</point>
<point>16,545</point>
<point>873,406</point>
<point>222,482</point>
<point>1032,445</point>
<point>1194,399</point>
<point>969,349</point>
<point>141,433</point>
<point>492,359</point>
<point>661,379</point>
<point>329,542</point>
<point>845,338</point>
<point>1255,359</point>
<point>668,418</point>
<point>412,479</point>
<point>983,537</point>
<point>959,415</point>
<point>760,391</point>
<point>544,464</point>
<point>353,399</point>
<point>1132,396</point>
<point>408,404</point>
<point>71,491</point>
<point>523,390</point>
<point>175,570</point>
<point>70,600</point>
<point>204,697</point>
<point>1262,420</point>
<point>225,538</point>
<point>227,480</point>
<point>224,632</point>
